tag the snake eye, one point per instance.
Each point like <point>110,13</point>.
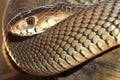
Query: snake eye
<point>30,20</point>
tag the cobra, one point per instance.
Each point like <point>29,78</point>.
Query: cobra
<point>71,41</point>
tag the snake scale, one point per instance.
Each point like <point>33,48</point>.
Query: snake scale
<point>85,34</point>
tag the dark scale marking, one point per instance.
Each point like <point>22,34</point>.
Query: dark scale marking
<point>106,41</point>
<point>46,20</point>
<point>82,54</point>
<point>99,47</point>
<point>35,30</point>
<point>27,31</point>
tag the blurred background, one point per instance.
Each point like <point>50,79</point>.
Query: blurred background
<point>3,66</point>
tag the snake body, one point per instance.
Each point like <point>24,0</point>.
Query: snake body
<point>72,41</point>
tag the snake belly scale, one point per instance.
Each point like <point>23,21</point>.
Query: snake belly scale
<point>76,39</point>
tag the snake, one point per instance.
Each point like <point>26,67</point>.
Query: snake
<point>83,33</point>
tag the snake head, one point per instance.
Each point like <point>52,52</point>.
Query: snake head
<point>24,25</point>
<point>38,20</point>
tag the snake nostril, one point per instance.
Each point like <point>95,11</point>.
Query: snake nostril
<point>30,20</point>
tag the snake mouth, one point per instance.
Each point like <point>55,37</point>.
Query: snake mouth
<point>19,30</point>
<point>25,32</point>
<point>30,32</point>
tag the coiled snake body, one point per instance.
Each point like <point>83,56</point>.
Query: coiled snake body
<point>81,36</point>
